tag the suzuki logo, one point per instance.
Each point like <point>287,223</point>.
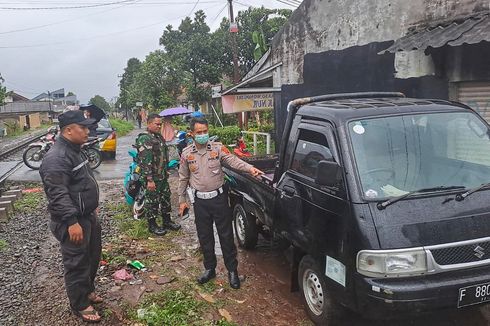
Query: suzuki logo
<point>479,252</point>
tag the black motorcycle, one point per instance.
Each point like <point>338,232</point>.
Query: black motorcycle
<point>35,152</point>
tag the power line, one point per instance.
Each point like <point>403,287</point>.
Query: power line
<point>219,13</point>
<point>67,7</point>
<point>287,3</point>
<point>64,21</point>
<point>192,10</point>
<point>96,36</point>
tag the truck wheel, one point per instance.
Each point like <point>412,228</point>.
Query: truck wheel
<point>245,228</point>
<point>319,306</point>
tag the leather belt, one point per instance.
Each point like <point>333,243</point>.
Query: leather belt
<point>209,194</point>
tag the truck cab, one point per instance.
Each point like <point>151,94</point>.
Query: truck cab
<point>384,199</point>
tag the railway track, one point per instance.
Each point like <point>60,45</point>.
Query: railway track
<point>4,154</point>
<point>16,164</point>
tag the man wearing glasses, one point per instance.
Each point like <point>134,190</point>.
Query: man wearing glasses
<point>153,160</point>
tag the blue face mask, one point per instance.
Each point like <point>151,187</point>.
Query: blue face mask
<point>201,139</point>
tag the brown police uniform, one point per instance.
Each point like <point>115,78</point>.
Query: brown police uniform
<point>201,170</point>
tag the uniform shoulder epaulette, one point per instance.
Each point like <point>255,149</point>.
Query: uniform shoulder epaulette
<point>189,148</point>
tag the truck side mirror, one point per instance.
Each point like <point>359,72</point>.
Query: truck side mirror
<point>328,173</point>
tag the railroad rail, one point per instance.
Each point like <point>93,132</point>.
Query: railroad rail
<point>17,163</point>
<point>20,145</point>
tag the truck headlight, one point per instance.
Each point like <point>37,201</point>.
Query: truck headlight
<point>392,263</point>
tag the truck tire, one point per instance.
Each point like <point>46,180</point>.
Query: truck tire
<point>316,300</point>
<point>245,228</point>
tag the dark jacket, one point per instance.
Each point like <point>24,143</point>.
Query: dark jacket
<point>92,130</point>
<point>68,182</point>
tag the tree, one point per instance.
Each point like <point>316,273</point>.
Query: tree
<point>3,90</point>
<point>100,102</point>
<point>70,94</point>
<point>263,23</point>
<point>158,82</point>
<point>195,53</point>
<point>128,95</point>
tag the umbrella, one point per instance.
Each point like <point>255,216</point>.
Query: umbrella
<point>174,111</point>
<point>95,112</point>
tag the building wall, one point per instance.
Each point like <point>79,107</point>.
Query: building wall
<point>323,25</point>
<point>34,120</point>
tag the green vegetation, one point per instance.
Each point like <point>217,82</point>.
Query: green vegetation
<point>3,90</point>
<point>3,244</point>
<point>193,58</point>
<point>123,127</point>
<point>135,229</point>
<point>226,135</point>
<point>172,307</point>
<point>100,102</point>
<point>29,202</point>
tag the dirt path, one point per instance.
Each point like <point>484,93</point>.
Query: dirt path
<point>264,298</point>
<point>32,291</point>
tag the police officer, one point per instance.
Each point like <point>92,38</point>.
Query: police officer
<point>73,196</point>
<point>153,160</point>
<point>200,167</point>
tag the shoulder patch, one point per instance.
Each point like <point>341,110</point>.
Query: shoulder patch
<point>225,149</point>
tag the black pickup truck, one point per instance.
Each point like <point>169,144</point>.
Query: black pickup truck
<point>384,200</point>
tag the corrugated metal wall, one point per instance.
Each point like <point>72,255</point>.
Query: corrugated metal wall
<point>476,95</point>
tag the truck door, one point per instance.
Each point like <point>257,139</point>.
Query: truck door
<point>308,213</point>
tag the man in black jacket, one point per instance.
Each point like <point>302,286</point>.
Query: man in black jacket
<point>73,196</point>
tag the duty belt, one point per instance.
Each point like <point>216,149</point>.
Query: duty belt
<point>209,194</point>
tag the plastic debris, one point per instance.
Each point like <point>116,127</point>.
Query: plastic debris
<point>122,275</point>
<point>137,264</point>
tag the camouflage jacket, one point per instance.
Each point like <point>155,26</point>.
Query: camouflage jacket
<point>152,155</point>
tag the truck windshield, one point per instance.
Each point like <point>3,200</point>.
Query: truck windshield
<point>396,155</point>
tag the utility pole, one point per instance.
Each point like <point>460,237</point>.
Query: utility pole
<point>236,75</point>
<point>50,109</point>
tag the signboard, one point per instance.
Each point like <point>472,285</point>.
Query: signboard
<point>139,104</point>
<point>233,28</point>
<point>216,91</point>
<point>247,102</point>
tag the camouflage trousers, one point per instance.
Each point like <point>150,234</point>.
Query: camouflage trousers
<point>157,202</point>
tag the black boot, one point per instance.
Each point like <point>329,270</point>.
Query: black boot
<point>207,276</point>
<point>234,279</point>
<point>169,224</point>
<point>154,228</point>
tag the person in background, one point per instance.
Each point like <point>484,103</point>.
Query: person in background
<point>168,131</point>
<point>139,118</point>
<point>93,127</point>
<point>200,168</point>
<point>73,196</point>
<point>153,160</point>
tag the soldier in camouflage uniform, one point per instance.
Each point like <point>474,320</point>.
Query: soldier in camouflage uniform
<point>153,160</point>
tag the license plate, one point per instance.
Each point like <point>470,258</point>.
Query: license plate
<point>474,294</point>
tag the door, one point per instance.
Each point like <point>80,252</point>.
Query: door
<point>311,214</point>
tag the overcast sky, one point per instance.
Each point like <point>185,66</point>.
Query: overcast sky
<point>84,50</point>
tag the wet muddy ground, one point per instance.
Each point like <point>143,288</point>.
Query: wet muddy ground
<point>32,291</point>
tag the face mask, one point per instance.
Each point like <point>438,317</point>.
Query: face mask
<point>201,139</point>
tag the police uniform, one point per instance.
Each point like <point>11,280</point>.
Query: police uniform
<point>153,160</point>
<point>201,170</point>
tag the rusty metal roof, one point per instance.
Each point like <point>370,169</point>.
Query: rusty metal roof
<point>473,29</point>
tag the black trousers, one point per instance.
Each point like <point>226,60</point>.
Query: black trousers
<point>80,262</point>
<point>207,212</point>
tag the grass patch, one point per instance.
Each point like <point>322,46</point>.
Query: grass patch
<point>29,202</point>
<point>3,244</point>
<point>208,287</point>
<point>172,307</point>
<point>123,127</point>
<point>135,229</point>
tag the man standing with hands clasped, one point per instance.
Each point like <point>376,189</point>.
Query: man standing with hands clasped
<point>73,196</point>
<point>200,168</point>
